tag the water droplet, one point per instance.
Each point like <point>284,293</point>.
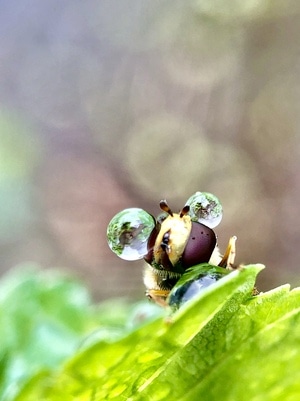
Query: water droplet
<point>191,289</point>
<point>128,233</point>
<point>205,208</point>
<point>192,283</point>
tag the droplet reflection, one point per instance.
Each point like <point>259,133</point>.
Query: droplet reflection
<point>128,233</point>
<point>205,208</point>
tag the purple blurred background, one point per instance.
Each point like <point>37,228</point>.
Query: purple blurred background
<point>114,104</point>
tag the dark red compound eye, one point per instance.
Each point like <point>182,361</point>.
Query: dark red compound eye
<point>151,242</point>
<point>200,245</point>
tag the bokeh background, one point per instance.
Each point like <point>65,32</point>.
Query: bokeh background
<point>113,104</point>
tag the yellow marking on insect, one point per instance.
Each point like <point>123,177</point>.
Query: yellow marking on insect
<point>179,228</point>
<point>229,256</point>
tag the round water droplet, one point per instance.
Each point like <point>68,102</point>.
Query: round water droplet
<point>193,282</point>
<point>128,233</point>
<point>205,208</point>
<point>192,288</point>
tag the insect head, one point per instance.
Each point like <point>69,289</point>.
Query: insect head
<point>171,244</point>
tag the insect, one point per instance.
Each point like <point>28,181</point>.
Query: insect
<point>172,244</point>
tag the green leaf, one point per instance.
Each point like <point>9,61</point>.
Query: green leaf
<point>225,344</point>
<point>143,361</point>
<point>45,317</point>
<point>259,354</point>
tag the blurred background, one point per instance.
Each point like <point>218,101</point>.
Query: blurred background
<point>113,104</point>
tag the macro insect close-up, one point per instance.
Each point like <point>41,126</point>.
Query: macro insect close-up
<point>172,245</point>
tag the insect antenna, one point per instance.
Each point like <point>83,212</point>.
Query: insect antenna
<point>184,210</point>
<point>165,207</point>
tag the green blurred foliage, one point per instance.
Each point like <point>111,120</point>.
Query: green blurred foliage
<point>18,149</point>
<point>47,316</point>
<point>19,154</point>
<point>212,348</point>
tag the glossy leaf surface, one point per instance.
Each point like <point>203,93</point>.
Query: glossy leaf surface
<point>215,347</point>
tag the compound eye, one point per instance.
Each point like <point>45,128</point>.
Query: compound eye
<point>200,245</point>
<point>128,233</point>
<point>205,208</point>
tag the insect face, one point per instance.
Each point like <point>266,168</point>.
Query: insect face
<point>170,243</point>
